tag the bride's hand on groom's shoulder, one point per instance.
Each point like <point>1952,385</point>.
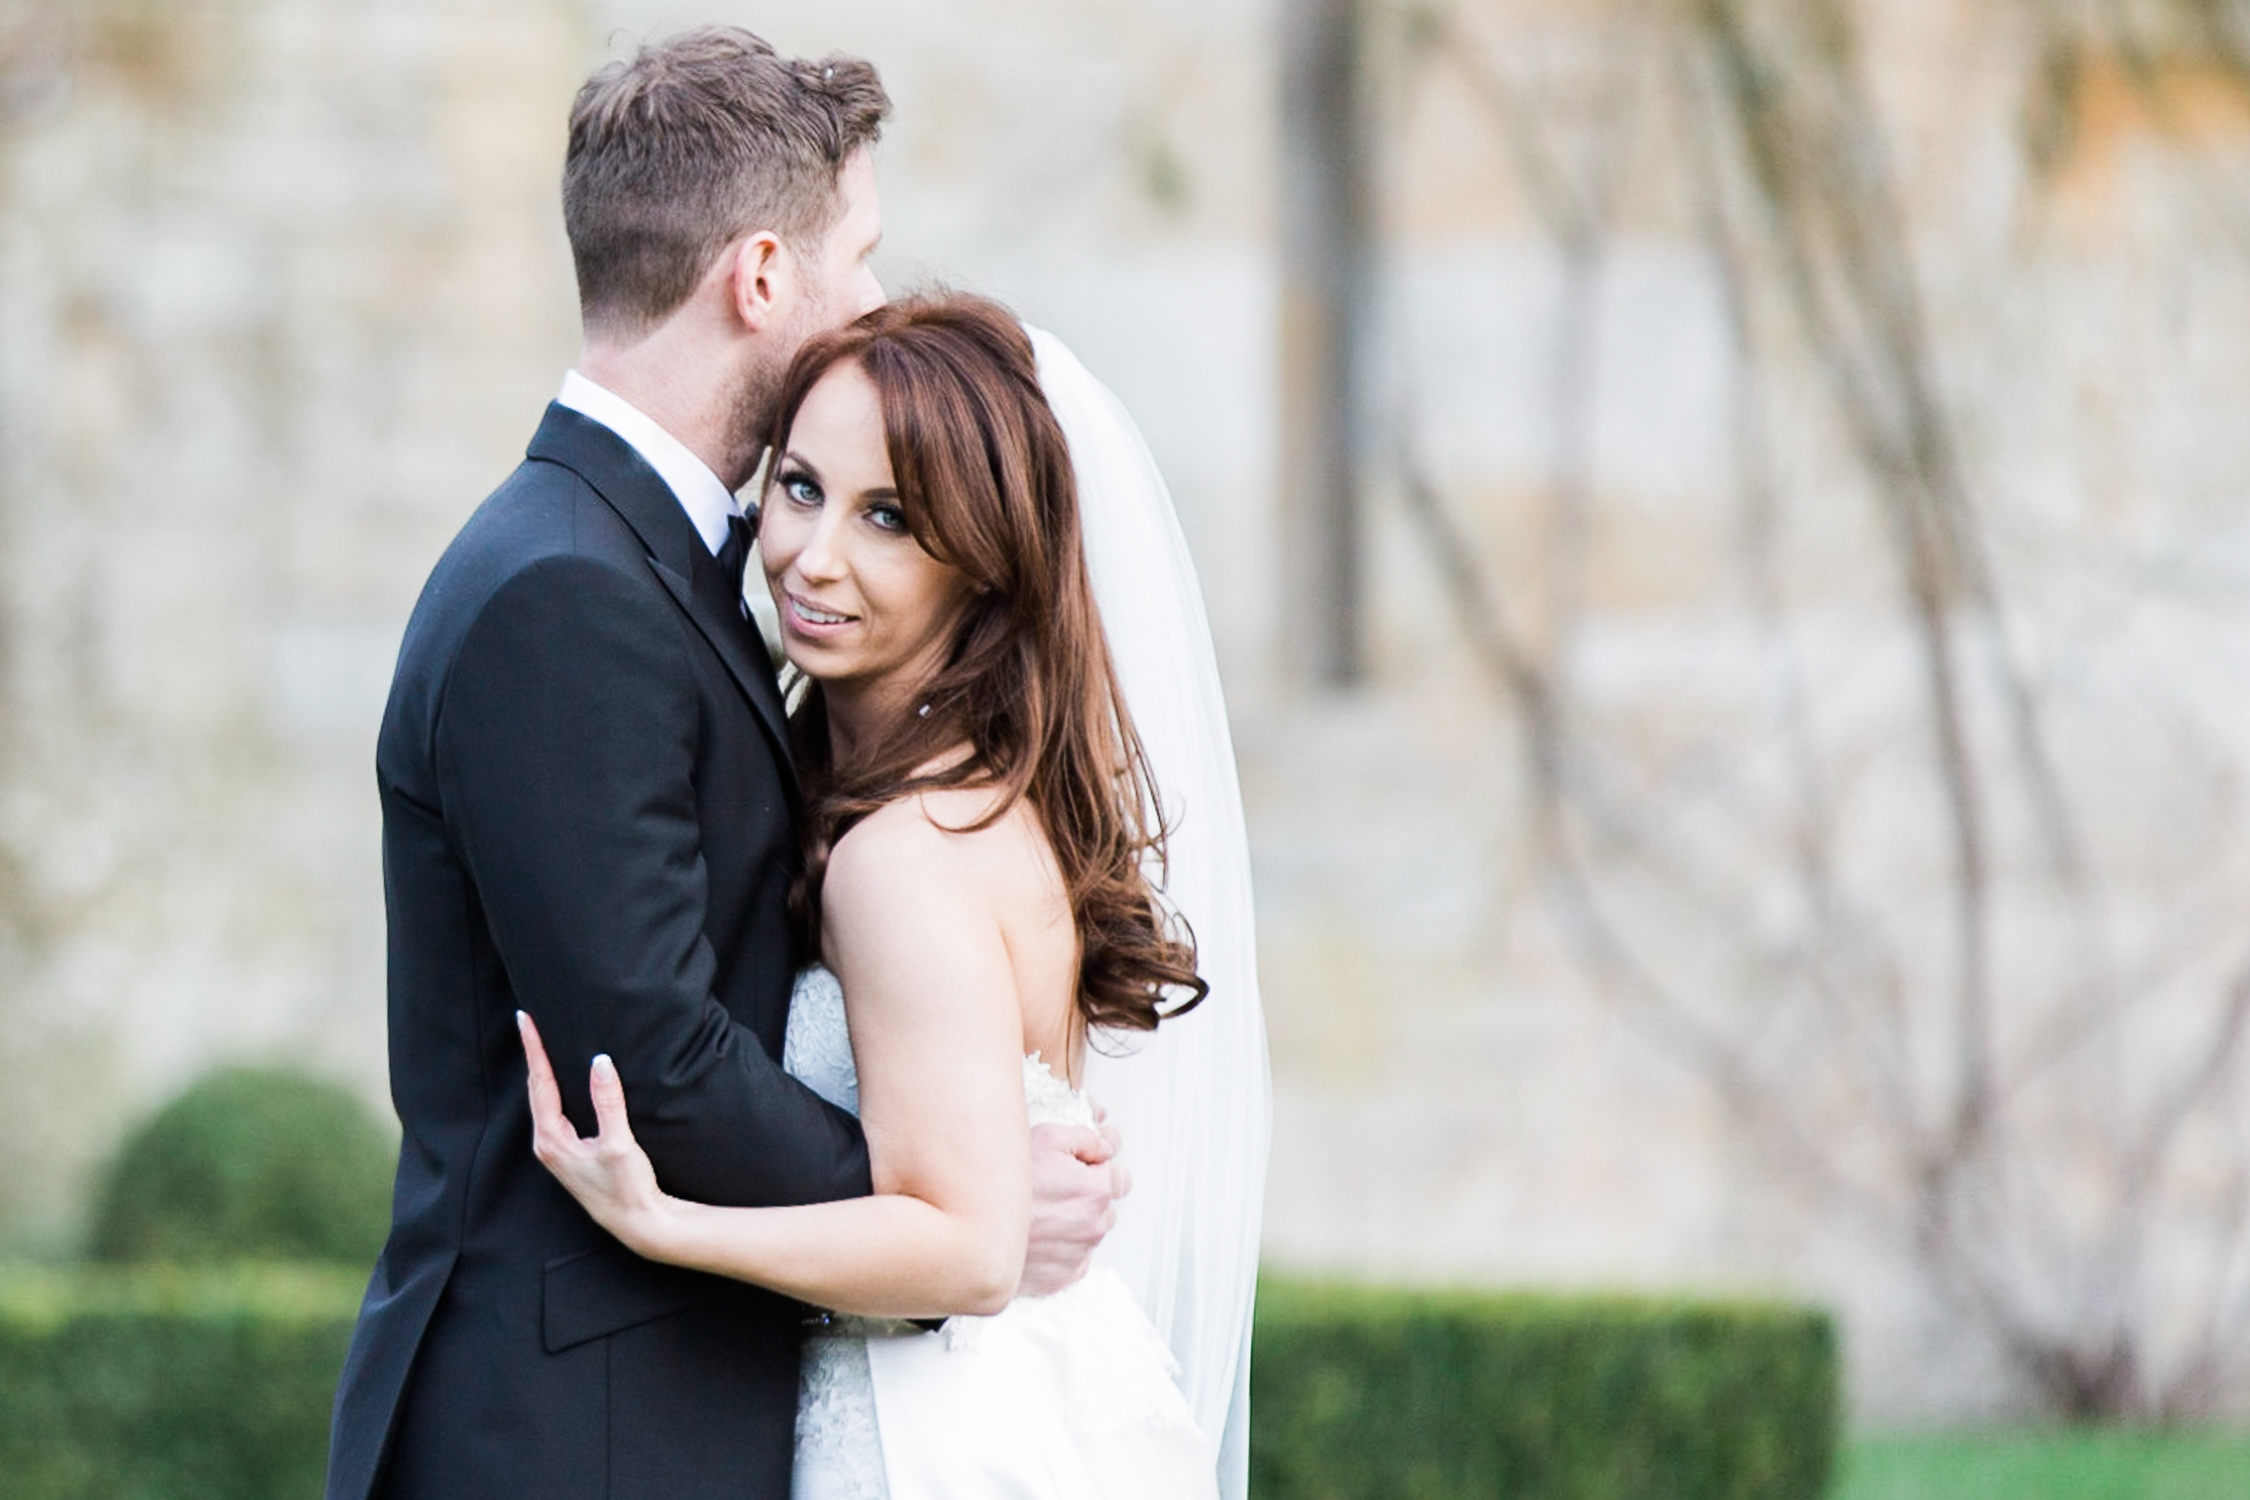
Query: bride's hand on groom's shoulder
<point>1076,1179</point>
<point>610,1175</point>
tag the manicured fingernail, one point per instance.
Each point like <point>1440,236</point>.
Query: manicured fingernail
<point>603,1065</point>
<point>521,1018</point>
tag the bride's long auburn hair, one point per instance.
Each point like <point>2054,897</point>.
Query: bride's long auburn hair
<point>985,483</point>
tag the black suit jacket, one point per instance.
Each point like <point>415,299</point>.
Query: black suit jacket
<point>588,812</point>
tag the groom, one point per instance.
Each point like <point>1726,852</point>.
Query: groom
<point>589,812</point>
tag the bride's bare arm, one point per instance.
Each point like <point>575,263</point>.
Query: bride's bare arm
<point>914,932</point>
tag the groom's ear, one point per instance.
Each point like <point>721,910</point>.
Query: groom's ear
<point>757,278</point>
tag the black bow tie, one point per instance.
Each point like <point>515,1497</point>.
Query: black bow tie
<point>734,552</point>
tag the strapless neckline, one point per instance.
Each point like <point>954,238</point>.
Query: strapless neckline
<point>818,1051</point>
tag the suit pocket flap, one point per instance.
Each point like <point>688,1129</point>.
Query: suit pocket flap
<point>597,1292</point>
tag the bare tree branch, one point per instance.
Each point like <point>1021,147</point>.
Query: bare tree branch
<point>1799,209</point>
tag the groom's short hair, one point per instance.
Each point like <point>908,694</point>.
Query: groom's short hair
<point>695,141</point>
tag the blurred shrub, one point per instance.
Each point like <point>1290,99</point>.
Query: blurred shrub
<point>165,1384</point>
<point>1358,1393</point>
<point>250,1163</point>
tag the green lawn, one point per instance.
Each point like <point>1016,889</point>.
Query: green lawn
<point>2048,1466</point>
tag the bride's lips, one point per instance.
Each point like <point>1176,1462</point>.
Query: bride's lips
<point>810,619</point>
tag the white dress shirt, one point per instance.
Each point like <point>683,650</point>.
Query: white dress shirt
<point>705,499</point>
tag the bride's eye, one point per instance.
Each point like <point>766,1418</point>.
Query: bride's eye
<point>798,486</point>
<point>888,518</point>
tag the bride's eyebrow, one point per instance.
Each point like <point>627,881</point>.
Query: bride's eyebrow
<point>791,460</point>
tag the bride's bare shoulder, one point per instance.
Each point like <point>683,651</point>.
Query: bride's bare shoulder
<point>940,845</point>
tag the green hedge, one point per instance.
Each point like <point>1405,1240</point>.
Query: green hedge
<point>250,1163</point>
<point>165,1384</point>
<point>1359,1393</point>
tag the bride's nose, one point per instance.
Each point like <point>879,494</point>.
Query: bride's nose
<point>821,559</point>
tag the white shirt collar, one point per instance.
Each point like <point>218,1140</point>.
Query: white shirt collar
<point>706,501</point>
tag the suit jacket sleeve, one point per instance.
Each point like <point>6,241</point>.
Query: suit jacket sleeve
<point>564,746</point>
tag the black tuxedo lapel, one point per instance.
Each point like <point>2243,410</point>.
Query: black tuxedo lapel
<point>676,555</point>
<point>716,609</point>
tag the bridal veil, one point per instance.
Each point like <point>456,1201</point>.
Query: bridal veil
<point>1194,1100</point>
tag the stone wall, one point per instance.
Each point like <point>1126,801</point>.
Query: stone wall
<point>276,283</point>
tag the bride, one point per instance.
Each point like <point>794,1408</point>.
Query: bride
<point>980,838</point>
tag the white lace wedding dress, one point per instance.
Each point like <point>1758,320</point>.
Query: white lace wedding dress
<point>1068,1397</point>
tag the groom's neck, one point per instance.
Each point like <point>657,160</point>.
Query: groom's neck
<point>682,390</point>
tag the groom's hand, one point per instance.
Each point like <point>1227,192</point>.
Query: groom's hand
<point>1076,1179</point>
